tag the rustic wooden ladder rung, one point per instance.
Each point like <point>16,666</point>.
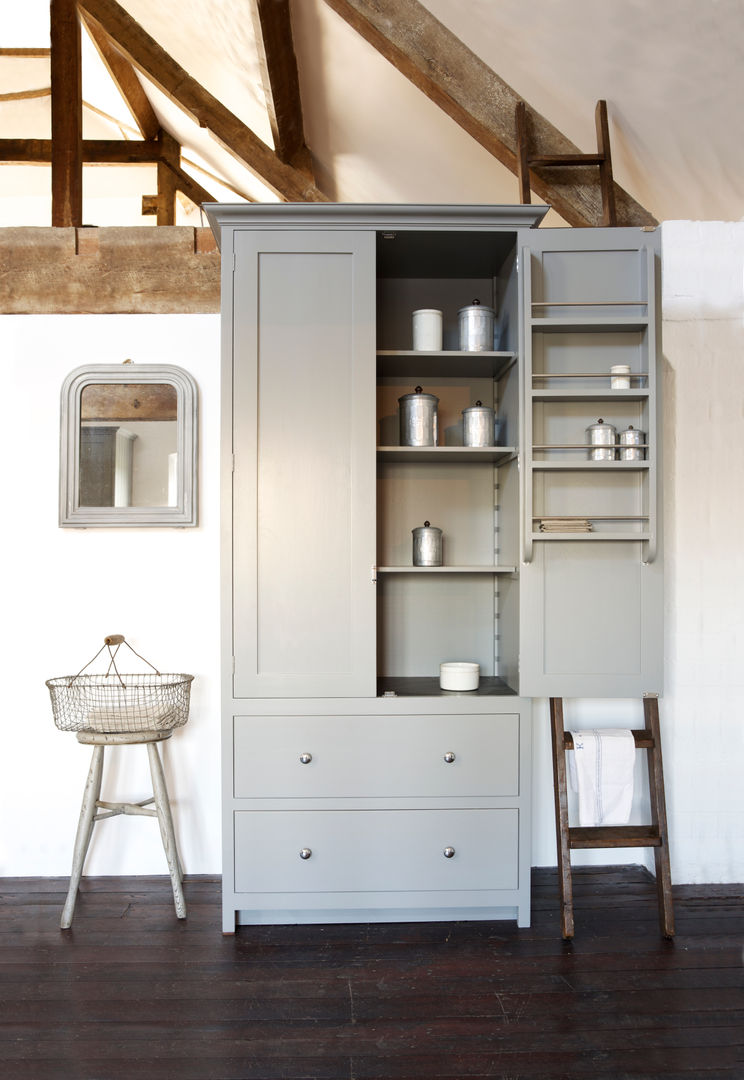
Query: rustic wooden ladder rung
<point>602,158</point>
<point>654,835</point>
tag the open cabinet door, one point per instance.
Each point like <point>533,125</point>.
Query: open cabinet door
<point>591,577</point>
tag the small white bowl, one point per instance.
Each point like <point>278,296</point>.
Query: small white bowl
<point>459,675</point>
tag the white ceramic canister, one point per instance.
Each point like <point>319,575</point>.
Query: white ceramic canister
<point>459,675</point>
<point>620,377</point>
<point>478,425</point>
<point>418,418</point>
<point>427,330</point>
<point>601,437</point>
<point>475,323</point>
<point>631,444</point>
<point>427,545</point>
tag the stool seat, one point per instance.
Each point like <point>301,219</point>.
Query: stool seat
<point>95,809</point>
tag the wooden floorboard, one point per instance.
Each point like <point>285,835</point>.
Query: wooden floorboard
<point>132,993</point>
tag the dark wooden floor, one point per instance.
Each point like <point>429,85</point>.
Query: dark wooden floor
<point>130,993</point>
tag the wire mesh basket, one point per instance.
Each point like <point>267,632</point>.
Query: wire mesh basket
<point>115,703</point>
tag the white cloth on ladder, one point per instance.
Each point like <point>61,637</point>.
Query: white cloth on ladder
<point>601,768</point>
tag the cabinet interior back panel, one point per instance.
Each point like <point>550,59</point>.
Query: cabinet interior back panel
<point>426,619</point>
<point>398,298</point>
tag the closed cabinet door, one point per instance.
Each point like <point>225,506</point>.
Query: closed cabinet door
<point>591,603</point>
<point>303,405</point>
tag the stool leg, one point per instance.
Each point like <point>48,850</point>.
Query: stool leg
<point>84,832</point>
<point>165,820</point>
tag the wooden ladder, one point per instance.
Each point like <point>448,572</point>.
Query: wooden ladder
<point>613,836</point>
<point>602,158</point>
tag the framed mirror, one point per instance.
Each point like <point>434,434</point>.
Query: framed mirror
<point>128,446</point>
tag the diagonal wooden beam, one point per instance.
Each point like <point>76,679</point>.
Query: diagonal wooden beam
<point>126,82</point>
<point>230,132</point>
<point>273,33</point>
<point>189,187</point>
<point>461,84</point>
<point>67,114</point>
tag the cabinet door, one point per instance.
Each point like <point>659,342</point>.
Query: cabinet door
<point>304,471</point>
<point>591,574</point>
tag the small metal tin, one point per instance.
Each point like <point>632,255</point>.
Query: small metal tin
<point>418,419</point>
<point>475,323</point>
<point>427,545</point>
<point>478,425</point>
<point>427,330</point>
<point>631,444</point>
<point>601,437</point>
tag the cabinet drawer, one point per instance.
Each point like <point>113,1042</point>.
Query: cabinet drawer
<point>346,757</point>
<point>378,850</point>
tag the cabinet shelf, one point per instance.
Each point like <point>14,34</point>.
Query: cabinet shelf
<point>590,324</point>
<point>580,466</point>
<point>428,686</point>
<point>447,454</point>
<point>590,395</point>
<point>615,535</point>
<point>446,569</point>
<point>445,364</point>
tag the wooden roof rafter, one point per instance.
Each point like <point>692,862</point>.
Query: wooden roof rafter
<point>272,26</point>
<point>464,87</point>
<point>148,57</point>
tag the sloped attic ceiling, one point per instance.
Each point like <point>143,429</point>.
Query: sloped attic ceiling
<point>670,71</point>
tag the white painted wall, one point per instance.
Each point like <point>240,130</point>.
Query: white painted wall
<point>64,589</point>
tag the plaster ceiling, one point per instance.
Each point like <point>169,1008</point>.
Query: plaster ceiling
<point>672,72</point>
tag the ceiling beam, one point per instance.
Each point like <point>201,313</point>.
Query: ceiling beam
<point>126,82</point>
<point>230,132</point>
<point>67,114</point>
<point>272,26</point>
<point>94,152</point>
<point>461,84</point>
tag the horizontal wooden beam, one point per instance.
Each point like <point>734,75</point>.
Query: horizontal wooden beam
<point>461,84</point>
<point>95,152</point>
<point>230,132</point>
<point>167,270</point>
<point>29,54</point>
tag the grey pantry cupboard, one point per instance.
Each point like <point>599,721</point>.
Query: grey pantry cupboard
<point>354,788</point>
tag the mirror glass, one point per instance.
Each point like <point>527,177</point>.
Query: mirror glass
<point>128,446</point>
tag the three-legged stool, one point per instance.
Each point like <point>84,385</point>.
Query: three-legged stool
<point>92,802</point>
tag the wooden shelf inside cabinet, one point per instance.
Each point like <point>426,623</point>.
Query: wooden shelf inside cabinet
<point>615,535</point>
<point>590,324</point>
<point>441,365</point>
<point>590,395</point>
<point>589,466</point>
<point>446,569</point>
<point>428,686</point>
<point>448,455</point>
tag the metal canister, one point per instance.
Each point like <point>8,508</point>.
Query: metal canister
<point>418,419</point>
<point>478,425</point>
<point>631,444</point>
<point>427,545</point>
<point>475,323</point>
<point>601,437</point>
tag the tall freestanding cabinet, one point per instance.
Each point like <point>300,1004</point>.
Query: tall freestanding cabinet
<point>354,788</point>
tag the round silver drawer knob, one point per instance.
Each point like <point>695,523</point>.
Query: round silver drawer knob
<point>449,757</point>
<point>306,758</point>
<point>305,852</point>
<point>448,852</point>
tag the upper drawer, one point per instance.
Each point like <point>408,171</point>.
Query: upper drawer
<point>351,756</point>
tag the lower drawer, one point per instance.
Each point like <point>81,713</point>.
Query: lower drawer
<point>375,850</point>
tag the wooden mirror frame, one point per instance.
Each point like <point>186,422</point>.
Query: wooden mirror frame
<point>71,513</point>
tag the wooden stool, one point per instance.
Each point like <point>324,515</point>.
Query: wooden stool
<point>613,836</point>
<point>92,802</point>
